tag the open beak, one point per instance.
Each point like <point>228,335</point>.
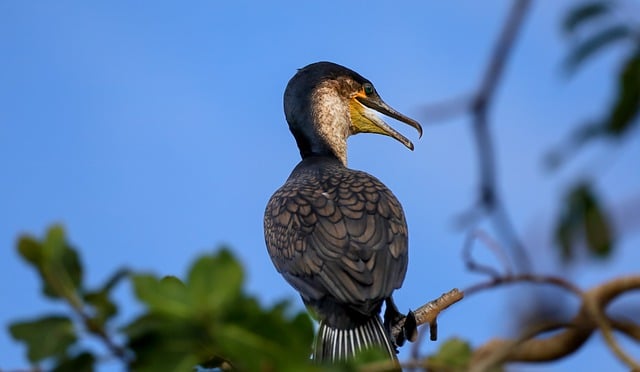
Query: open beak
<point>364,120</point>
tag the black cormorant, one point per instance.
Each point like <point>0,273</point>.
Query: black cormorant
<point>338,235</point>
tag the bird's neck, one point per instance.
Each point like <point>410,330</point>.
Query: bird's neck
<point>331,121</point>
<point>329,147</point>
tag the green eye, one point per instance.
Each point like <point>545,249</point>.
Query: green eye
<point>368,89</point>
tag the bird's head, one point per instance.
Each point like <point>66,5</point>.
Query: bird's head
<point>324,103</point>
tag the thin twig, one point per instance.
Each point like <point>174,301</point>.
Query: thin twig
<point>78,306</point>
<point>447,109</point>
<point>523,278</point>
<point>493,246</point>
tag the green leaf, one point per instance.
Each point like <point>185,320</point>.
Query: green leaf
<point>56,246</point>
<point>31,250</point>
<point>164,342</point>
<point>64,276</point>
<point>54,241</point>
<point>214,281</point>
<point>583,219</point>
<point>597,230</point>
<point>453,355</point>
<point>594,43</point>
<point>210,319</point>
<point>367,356</point>
<point>626,107</point>
<point>164,352</point>
<point>57,263</point>
<point>167,296</point>
<point>584,13</point>
<point>272,335</point>
<point>82,362</point>
<point>266,352</point>
<point>45,337</point>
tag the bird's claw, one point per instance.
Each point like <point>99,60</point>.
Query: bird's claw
<point>408,330</point>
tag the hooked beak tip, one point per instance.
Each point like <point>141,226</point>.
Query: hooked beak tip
<point>419,128</point>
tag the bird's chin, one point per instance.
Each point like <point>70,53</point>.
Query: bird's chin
<point>366,120</point>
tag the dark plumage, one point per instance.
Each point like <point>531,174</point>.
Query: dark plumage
<point>337,235</point>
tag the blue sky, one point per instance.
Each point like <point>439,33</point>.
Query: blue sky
<point>154,132</point>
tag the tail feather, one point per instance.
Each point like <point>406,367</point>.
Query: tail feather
<point>334,344</point>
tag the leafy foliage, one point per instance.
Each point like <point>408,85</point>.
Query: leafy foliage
<point>585,13</point>
<point>453,355</point>
<point>56,262</point>
<point>59,331</point>
<point>592,26</point>
<point>206,320</point>
<point>594,43</point>
<point>583,219</point>
<point>626,106</point>
<point>209,320</point>
<point>61,274</point>
<point>83,362</point>
<point>603,28</point>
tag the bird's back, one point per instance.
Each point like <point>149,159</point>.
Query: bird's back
<point>338,236</point>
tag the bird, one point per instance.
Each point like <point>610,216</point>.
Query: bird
<point>337,235</point>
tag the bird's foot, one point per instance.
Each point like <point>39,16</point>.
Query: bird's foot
<point>410,327</point>
<point>408,330</point>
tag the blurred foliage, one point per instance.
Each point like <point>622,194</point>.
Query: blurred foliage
<point>206,320</point>
<point>60,335</point>
<point>592,26</point>
<point>583,222</point>
<point>453,355</point>
<point>60,270</point>
<point>209,320</point>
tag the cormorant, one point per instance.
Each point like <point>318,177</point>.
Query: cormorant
<point>338,235</point>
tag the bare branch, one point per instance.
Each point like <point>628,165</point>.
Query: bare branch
<point>493,246</point>
<point>447,109</point>
<point>590,317</point>
<point>478,106</point>
<point>596,302</point>
<point>531,278</point>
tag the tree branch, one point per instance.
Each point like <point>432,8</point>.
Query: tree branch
<point>478,105</point>
<point>489,198</point>
<point>428,313</point>
<point>590,317</point>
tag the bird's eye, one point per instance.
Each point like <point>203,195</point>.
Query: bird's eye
<point>368,89</point>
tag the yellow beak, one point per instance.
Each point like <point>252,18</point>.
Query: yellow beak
<point>365,120</point>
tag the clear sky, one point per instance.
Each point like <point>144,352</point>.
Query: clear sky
<point>154,132</point>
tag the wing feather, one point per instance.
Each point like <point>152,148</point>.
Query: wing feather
<point>338,233</point>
